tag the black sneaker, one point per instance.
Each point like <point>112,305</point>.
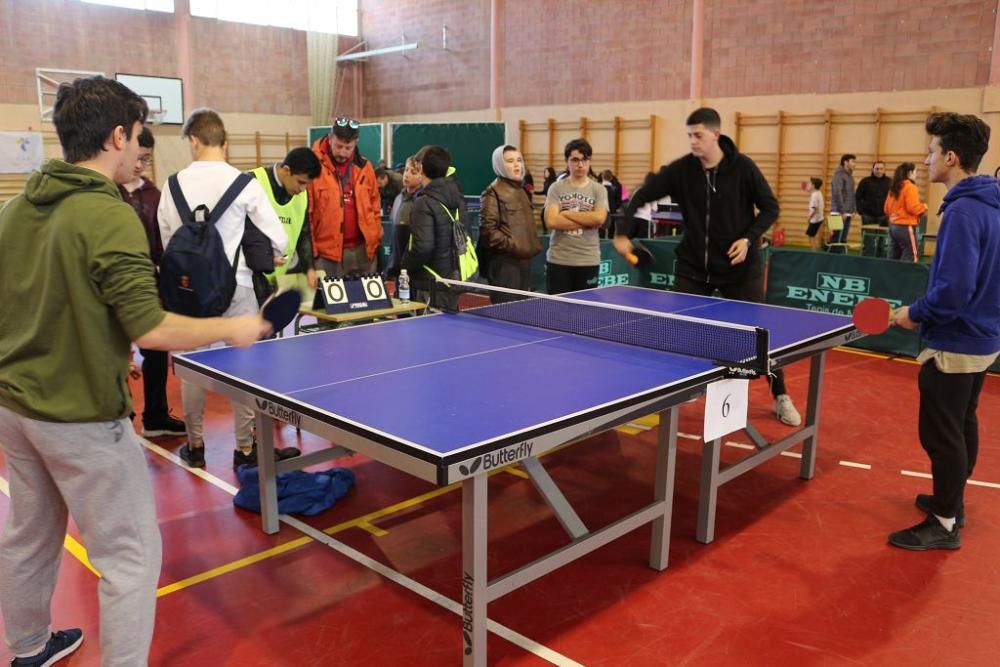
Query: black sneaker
<point>241,459</point>
<point>168,425</point>
<point>923,502</point>
<point>928,534</point>
<point>193,457</point>
<point>60,645</point>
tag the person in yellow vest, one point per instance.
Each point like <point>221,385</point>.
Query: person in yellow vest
<point>285,185</point>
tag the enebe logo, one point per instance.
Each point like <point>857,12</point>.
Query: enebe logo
<point>834,293</point>
<point>279,412</point>
<point>498,459</point>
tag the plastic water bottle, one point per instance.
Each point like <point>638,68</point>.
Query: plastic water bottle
<point>403,284</point>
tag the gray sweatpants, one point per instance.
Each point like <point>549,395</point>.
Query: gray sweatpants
<point>193,397</point>
<point>96,472</point>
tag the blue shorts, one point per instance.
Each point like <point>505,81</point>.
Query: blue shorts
<point>813,228</point>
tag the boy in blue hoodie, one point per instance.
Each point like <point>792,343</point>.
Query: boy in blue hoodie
<point>959,319</point>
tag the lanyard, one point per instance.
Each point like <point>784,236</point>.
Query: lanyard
<point>344,181</point>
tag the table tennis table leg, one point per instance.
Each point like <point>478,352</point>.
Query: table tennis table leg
<point>663,489</point>
<point>709,490</point>
<point>266,473</point>
<point>474,573</point>
<point>809,445</point>
<point>565,514</point>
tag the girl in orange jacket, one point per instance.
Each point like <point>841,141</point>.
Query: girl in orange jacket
<point>904,208</point>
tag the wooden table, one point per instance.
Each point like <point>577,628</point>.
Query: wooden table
<point>325,320</point>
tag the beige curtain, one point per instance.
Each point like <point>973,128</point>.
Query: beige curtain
<point>321,54</point>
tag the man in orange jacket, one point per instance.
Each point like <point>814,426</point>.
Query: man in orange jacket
<point>344,205</point>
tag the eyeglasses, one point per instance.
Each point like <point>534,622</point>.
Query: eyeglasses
<point>578,160</point>
<point>344,121</point>
<point>146,159</point>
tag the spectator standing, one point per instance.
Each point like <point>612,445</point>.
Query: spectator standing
<point>842,199</point>
<point>507,225</point>
<point>904,208</point>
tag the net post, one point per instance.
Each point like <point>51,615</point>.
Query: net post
<point>763,359</point>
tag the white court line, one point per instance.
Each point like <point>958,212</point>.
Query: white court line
<point>688,436</point>
<point>989,485</point>
<point>739,445</point>
<point>529,645</point>
<point>427,593</point>
<point>792,455</point>
<point>972,482</point>
<point>852,464</point>
<point>198,472</point>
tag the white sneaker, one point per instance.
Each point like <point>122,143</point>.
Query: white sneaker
<point>785,410</point>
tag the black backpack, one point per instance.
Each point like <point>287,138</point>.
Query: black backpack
<point>196,277</point>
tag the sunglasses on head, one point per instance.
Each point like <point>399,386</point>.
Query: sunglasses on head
<point>344,121</point>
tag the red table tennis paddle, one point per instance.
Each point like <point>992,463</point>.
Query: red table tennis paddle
<point>281,309</point>
<point>871,316</point>
<point>640,257</point>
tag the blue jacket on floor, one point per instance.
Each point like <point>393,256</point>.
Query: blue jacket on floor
<point>961,310</point>
<point>299,492</point>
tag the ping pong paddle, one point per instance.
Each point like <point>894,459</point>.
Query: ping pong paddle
<point>640,257</point>
<point>871,316</point>
<point>282,308</point>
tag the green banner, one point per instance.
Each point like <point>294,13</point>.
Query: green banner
<point>470,144</point>
<point>614,270</point>
<point>836,283</point>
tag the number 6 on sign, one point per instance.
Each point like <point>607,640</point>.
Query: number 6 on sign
<point>725,407</point>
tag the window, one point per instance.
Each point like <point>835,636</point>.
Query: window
<point>153,5</point>
<point>332,16</point>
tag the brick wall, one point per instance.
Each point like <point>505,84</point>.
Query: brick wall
<point>583,51</point>
<point>580,51</point>
<point>427,79</point>
<point>235,67</point>
<point>67,34</point>
<point>248,68</point>
<point>769,47</point>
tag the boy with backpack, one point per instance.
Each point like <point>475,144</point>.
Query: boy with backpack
<point>439,245</point>
<point>207,275</point>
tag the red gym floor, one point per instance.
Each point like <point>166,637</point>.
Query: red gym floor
<point>800,572</point>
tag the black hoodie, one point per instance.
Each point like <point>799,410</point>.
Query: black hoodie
<point>718,206</point>
<point>432,234</point>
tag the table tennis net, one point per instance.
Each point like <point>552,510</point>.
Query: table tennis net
<point>743,350</point>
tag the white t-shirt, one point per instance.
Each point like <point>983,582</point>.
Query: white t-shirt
<point>204,183</point>
<point>816,206</point>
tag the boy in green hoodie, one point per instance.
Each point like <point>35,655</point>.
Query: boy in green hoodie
<point>76,287</point>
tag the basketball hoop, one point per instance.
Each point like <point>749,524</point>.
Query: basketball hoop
<point>155,116</point>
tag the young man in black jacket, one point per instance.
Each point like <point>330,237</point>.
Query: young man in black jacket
<point>431,249</point>
<point>717,189</point>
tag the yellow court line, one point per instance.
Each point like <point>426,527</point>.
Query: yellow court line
<point>80,553</point>
<point>648,420</point>
<point>75,549</point>
<point>862,353</point>
<point>516,472</point>
<point>231,567</point>
<point>373,529</point>
<point>364,522</point>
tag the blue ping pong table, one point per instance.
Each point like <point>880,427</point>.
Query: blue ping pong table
<point>452,397</point>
